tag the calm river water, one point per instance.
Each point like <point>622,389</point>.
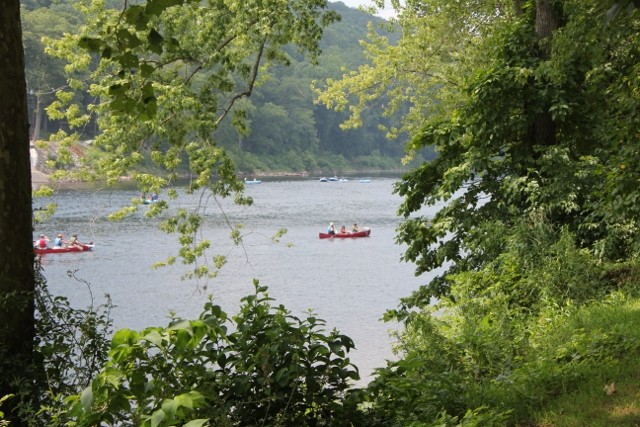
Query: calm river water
<point>347,282</point>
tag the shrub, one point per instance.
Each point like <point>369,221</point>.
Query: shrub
<point>69,350</point>
<point>261,367</point>
<point>536,321</point>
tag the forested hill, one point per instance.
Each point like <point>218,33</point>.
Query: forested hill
<point>286,130</point>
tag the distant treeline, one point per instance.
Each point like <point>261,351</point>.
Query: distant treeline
<point>285,130</point>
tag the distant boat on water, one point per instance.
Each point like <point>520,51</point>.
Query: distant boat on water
<point>333,179</point>
<point>365,232</point>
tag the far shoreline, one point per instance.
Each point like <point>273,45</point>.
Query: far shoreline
<point>39,179</point>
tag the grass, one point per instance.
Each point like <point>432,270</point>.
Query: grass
<point>592,406</point>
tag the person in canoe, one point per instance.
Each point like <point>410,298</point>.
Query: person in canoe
<point>355,228</point>
<point>59,241</point>
<point>343,230</point>
<point>42,242</point>
<point>331,229</point>
<point>73,242</point>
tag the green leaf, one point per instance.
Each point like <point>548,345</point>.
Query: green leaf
<point>148,93</point>
<point>157,418</point>
<point>196,423</point>
<point>282,377</point>
<point>156,41</point>
<point>146,70</point>
<point>156,7</point>
<point>154,337</point>
<point>170,407</point>
<point>106,52</point>
<point>128,59</point>
<point>134,15</point>
<point>185,399</point>
<point>118,89</point>
<point>87,399</point>
<point>90,43</point>
<point>336,346</point>
<point>129,39</point>
<point>124,336</point>
<point>222,360</point>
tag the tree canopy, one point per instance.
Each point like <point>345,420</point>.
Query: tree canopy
<point>524,103</point>
<point>318,140</point>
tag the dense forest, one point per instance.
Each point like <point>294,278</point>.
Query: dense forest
<point>282,128</point>
<point>532,108</point>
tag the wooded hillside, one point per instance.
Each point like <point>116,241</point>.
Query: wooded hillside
<point>283,130</point>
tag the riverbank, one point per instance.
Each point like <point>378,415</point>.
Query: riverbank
<point>40,172</point>
<point>39,178</point>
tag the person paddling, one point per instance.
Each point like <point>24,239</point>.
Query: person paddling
<point>42,242</point>
<point>331,229</point>
<point>59,241</point>
<point>73,242</point>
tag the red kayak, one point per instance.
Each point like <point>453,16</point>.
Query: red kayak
<point>64,249</point>
<point>362,233</point>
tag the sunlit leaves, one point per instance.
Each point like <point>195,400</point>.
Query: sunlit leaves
<point>276,237</point>
<point>528,134</point>
<point>423,72</point>
<point>163,75</point>
<point>122,213</point>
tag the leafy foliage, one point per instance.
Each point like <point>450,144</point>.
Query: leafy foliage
<point>508,339</point>
<point>70,346</point>
<point>533,207</point>
<point>163,76</point>
<point>313,130</point>
<point>261,367</point>
<point>537,151</point>
<point>72,342</point>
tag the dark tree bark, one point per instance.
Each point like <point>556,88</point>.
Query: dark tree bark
<point>16,250</point>
<point>547,21</point>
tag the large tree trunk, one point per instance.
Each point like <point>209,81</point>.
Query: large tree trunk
<point>16,249</point>
<point>547,21</point>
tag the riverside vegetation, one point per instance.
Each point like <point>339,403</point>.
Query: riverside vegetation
<point>531,106</point>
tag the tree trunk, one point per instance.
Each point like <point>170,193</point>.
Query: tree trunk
<point>547,21</point>
<point>38,119</point>
<point>16,251</point>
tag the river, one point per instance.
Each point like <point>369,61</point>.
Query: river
<point>347,282</point>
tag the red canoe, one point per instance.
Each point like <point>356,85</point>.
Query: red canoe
<point>62,250</point>
<point>363,233</point>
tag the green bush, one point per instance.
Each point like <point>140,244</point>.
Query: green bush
<point>543,318</point>
<point>428,379</point>
<point>69,350</point>
<point>261,367</point>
